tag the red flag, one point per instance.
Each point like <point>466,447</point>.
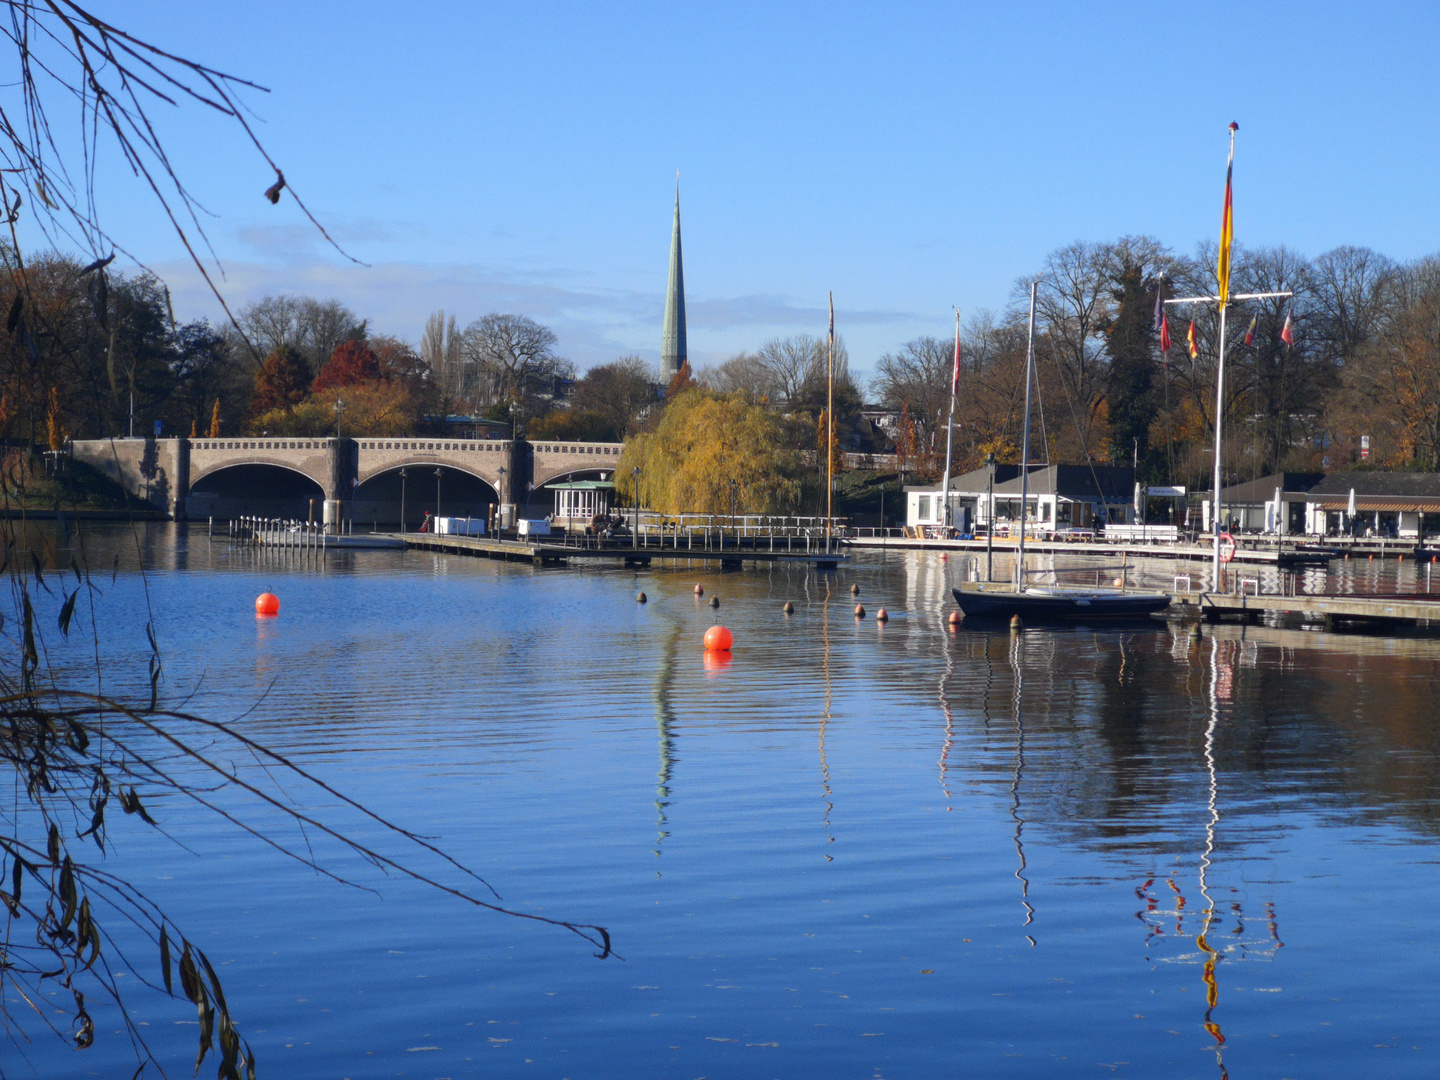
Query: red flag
<point>1193,342</point>
<point>1164,332</point>
<point>1286,334</point>
<point>1250,334</point>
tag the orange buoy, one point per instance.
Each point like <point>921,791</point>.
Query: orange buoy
<point>859,611</point>
<point>882,615</point>
<point>641,598</point>
<point>789,608</point>
<point>854,590</point>
<point>699,589</point>
<point>718,639</point>
<point>714,601</point>
<point>954,619</point>
<point>944,557</point>
<point>267,604</point>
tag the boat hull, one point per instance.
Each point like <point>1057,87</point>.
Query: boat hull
<point>1044,605</point>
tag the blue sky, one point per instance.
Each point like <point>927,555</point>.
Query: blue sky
<point>910,157</point>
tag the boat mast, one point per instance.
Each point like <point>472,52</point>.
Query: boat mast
<point>830,425</point>
<point>1025,440</point>
<point>946,517</point>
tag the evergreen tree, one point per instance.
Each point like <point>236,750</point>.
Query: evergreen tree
<point>1130,388</point>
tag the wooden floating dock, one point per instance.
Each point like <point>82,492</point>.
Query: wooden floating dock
<point>541,553</point>
<point>1331,610</point>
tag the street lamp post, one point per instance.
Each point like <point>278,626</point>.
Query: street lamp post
<point>438,474</point>
<point>989,516</point>
<point>501,494</point>
<point>339,415</point>
<point>402,500</point>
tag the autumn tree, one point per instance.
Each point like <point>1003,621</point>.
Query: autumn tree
<point>282,381</point>
<point>350,364</point>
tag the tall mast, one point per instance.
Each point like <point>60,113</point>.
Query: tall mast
<point>1025,440</point>
<point>945,518</point>
<point>830,422</point>
<point>1222,300</point>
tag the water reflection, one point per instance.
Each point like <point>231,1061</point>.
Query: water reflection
<point>1221,781</point>
<point>1018,698</point>
<point>663,687</point>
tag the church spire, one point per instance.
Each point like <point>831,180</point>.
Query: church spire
<point>672,338</point>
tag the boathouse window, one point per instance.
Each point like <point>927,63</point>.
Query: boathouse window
<point>922,507</point>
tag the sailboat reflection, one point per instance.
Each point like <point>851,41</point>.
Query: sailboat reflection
<point>1213,941</point>
<point>1016,645</point>
<point>825,717</point>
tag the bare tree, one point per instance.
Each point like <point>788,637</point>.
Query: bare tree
<point>313,328</point>
<point>619,392</point>
<point>787,362</point>
<point>514,362</point>
<point>440,349</point>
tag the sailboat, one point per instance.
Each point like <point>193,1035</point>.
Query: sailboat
<point>988,599</point>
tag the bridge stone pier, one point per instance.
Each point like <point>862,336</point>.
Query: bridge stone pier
<point>180,475</point>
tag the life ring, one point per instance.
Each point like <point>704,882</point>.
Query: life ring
<point>1227,547</point>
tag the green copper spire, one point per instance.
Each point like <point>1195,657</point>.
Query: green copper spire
<point>672,338</point>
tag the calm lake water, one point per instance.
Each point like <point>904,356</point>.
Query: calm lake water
<point>851,851</point>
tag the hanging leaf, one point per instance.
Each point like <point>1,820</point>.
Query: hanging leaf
<point>68,897</point>
<point>52,847</point>
<point>207,1028</point>
<point>273,191</point>
<point>39,571</point>
<point>67,612</point>
<point>16,307</point>
<point>165,959</point>
<point>130,803</point>
<point>214,982</point>
<point>98,264</point>
<point>189,979</point>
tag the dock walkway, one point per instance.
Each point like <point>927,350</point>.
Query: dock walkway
<point>542,552</point>
<point>1329,609</point>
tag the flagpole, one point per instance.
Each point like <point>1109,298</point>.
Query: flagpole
<point>947,518</point>
<point>830,424</point>
<point>1025,441</point>
<point>1216,526</point>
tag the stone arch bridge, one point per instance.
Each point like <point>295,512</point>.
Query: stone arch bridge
<point>179,475</point>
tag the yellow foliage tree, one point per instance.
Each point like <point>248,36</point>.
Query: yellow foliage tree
<point>703,442</point>
<point>377,409</point>
<point>214,432</point>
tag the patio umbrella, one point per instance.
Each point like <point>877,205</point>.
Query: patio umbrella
<point>1279,513</point>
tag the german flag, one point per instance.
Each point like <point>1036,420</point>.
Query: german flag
<point>1192,340</point>
<point>1227,226</point>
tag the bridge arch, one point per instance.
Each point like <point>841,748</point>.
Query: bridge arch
<point>383,494</point>
<point>264,488</point>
